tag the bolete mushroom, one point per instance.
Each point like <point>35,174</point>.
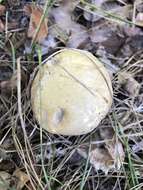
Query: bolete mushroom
<point>71,92</point>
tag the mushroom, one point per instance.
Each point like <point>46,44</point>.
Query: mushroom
<point>71,93</point>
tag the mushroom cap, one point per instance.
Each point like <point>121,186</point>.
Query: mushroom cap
<point>71,93</point>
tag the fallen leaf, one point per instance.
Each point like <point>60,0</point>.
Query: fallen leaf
<point>4,180</point>
<point>22,177</point>
<point>106,6</point>
<point>62,17</point>
<point>130,84</point>
<point>78,38</point>
<point>101,33</point>
<point>107,155</point>
<point>116,151</point>
<point>113,145</point>
<point>92,15</point>
<point>107,36</point>
<point>2,26</point>
<point>139,19</point>
<point>101,160</point>
<point>36,13</point>
<point>2,9</point>
<point>74,35</point>
<point>120,10</point>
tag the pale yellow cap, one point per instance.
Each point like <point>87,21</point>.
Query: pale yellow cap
<point>71,93</point>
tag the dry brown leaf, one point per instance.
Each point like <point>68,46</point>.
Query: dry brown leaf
<point>2,26</point>
<point>109,158</point>
<point>23,178</point>
<point>113,145</point>
<point>106,156</point>
<point>36,13</point>
<point>130,84</point>
<point>62,18</point>
<point>109,6</point>
<point>2,9</point>
<point>101,159</point>
<point>116,151</point>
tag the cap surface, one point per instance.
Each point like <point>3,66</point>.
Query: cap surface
<point>71,93</point>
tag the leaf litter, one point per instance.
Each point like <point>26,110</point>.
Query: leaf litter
<point>36,13</point>
<point>2,11</point>
<point>109,156</point>
<point>116,39</point>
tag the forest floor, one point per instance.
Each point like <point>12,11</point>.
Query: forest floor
<point>111,156</point>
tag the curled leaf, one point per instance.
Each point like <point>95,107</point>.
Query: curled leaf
<point>101,159</point>
<point>108,158</point>
<point>116,151</point>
